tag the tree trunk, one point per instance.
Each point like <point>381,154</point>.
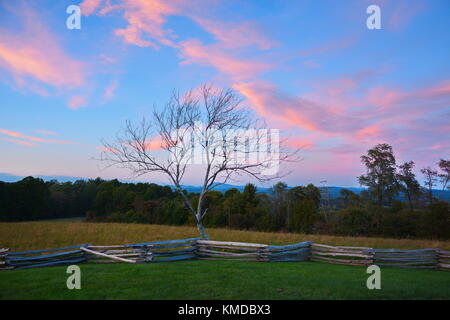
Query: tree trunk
<point>201,214</point>
<point>198,216</point>
<point>202,230</point>
<point>409,200</point>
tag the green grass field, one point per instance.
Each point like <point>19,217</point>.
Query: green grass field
<point>223,280</point>
<point>206,279</point>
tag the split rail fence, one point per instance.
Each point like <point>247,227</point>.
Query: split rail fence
<point>198,248</point>
<point>358,256</point>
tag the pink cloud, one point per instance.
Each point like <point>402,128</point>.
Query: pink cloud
<point>347,109</point>
<point>300,142</point>
<point>398,14</point>
<point>146,19</point>
<point>235,35</point>
<point>20,142</point>
<point>256,100</point>
<point>19,135</point>
<point>88,7</point>
<point>442,90</point>
<point>358,117</point>
<point>106,58</point>
<point>437,146</point>
<point>146,28</point>
<point>152,144</point>
<point>296,111</point>
<point>327,47</point>
<point>311,64</point>
<point>77,102</point>
<point>110,90</point>
<point>192,51</point>
<point>155,144</point>
<point>371,131</point>
<point>384,97</point>
<point>435,97</point>
<point>104,149</point>
<point>35,54</point>
<point>51,133</point>
<point>401,12</point>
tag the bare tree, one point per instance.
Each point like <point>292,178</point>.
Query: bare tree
<point>408,182</point>
<point>206,127</point>
<point>431,177</point>
<point>444,165</point>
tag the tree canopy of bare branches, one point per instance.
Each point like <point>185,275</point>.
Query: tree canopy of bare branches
<point>207,127</point>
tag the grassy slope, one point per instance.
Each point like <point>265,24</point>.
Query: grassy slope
<point>41,235</point>
<point>223,280</point>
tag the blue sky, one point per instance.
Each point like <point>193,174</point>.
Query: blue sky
<point>311,68</point>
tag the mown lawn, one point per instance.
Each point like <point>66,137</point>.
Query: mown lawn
<point>206,279</point>
<point>223,280</point>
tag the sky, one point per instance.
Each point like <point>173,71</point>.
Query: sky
<point>311,69</point>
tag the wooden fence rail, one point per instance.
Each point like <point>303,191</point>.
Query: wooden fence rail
<point>412,259</point>
<point>114,254</point>
<point>44,258</point>
<point>443,259</point>
<point>170,250</point>
<point>355,256</point>
<point>198,248</point>
<point>293,252</point>
<point>235,251</point>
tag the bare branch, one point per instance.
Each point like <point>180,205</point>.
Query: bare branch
<point>209,126</point>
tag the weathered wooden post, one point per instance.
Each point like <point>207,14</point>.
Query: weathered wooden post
<point>84,253</point>
<point>148,253</point>
<point>196,247</point>
<point>3,259</point>
<point>443,260</point>
<point>308,257</point>
<point>372,256</point>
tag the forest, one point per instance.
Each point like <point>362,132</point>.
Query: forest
<point>377,211</point>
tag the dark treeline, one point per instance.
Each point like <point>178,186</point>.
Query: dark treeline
<point>297,209</point>
<point>377,211</point>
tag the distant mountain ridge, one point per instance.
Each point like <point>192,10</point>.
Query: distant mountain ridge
<point>6,177</point>
<point>333,190</point>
